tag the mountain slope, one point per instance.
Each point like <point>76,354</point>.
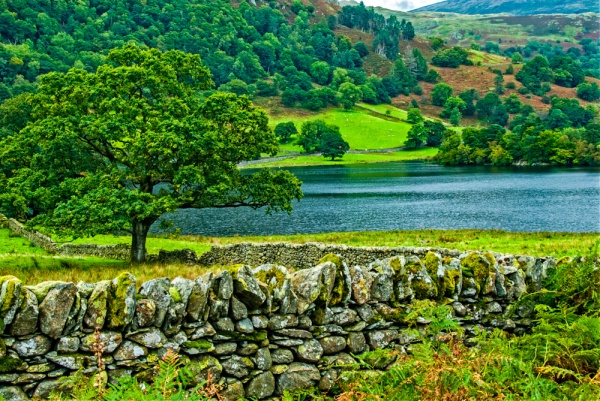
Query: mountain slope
<point>516,7</point>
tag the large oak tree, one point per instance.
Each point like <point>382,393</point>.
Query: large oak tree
<point>117,149</point>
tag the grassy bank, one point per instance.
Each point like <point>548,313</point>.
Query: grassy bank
<point>31,264</point>
<point>351,158</point>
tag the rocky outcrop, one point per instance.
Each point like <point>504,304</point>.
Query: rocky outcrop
<point>257,330</point>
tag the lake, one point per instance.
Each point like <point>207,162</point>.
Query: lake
<point>416,195</point>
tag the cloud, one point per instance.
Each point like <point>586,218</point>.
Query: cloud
<point>403,5</point>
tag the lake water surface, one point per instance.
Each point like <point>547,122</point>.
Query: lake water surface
<point>415,195</point>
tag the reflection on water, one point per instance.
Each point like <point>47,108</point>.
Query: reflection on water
<point>414,195</point>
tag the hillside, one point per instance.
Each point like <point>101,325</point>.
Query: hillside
<point>515,7</point>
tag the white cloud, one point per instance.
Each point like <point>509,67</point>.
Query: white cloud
<point>403,5</point>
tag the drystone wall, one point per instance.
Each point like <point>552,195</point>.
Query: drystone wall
<point>257,330</point>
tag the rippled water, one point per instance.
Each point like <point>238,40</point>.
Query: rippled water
<point>415,195</point>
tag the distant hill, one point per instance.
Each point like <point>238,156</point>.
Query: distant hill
<point>515,7</point>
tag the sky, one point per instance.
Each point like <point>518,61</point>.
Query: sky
<point>403,5</point>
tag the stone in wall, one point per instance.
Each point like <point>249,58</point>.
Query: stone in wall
<point>256,331</point>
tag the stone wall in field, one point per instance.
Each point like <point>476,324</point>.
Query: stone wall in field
<point>258,330</point>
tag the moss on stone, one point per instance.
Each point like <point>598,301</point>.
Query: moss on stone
<point>259,335</point>
<point>117,315</point>
<point>421,289</point>
<point>198,344</point>
<point>42,289</point>
<point>175,294</point>
<point>9,364</point>
<point>477,267</point>
<point>330,257</point>
<point>337,294</point>
<point>413,265</point>
<point>266,276</point>
<point>432,263</point>
<point>10,298</point>
<point>451,279</point>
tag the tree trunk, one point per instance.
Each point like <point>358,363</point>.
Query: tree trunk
<point>138,240</point>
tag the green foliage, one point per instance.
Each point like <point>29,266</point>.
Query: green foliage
<point>469,96</point>
<point>89,163</point>
<point>435,132</point>
<point>567,72</point>
<point>284,131</point>
<point>361,48</point>
<point>417,136</point>
<point>516,58</point>
<point>312,133</point>
<point>533,73</point>
<point>588,91</point>
<point>414,116</point>
<point>440,94</point>
<point>437,43</point>
<point>348,95</point>
<point>452,58</point>
<point>332,145</point>
<point>432,77</point>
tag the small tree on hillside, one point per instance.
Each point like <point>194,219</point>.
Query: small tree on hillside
<point>414,116</point>
<point>312,132</point>
<point>517,58</point>
<point>333,145</point>
<point>348,95</point>
<point>417,135</point>
<point>441,93</point>
<point>284,131</point>
<point>114,150</point>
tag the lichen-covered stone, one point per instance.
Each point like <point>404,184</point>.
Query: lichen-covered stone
<point>314,285</point>
<point>278,322</point>
<point>223,285</point>
<point>299,376</point>
<point>238,309</point>
<point>153,338</point>
<point>199,297</point>
<point>36,345</point>
<point>145,311</point>
<point>26,318</point>
<point>247,288</point>
<point>262,359</point>
<point>110,341</point>
<point>10,299</point>
<point>130,351</point>
<point>97,304</point>
<point>383,284</point>
<point>121,303</point>
<point>332,345</point>
<point>361,284</point>
<point>225,324</point>
<point>222,349</point>
<point>69,361</point>
<point>283,300</point>
<point>238,366</point>
<point>381,338</point>
<point>158,291</point>
<point>310,351</point>
<point>477,267</point>
<point>232,390</point>
<point>244,326</point>
<point>342,287</point>
<point>202,368</point>
<point>357,343</point>
<point>55,309</point>
<point>282,356</point>
<point>67,345</point>
<point>261,386</point>
<point>13,393</point>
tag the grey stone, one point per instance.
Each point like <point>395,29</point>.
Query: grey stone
<point>294,333</point>
<point>145,311</point>
<point>493,307</point>
<point>328,380</point>
<point>345,318</point>
<point>246,348</point>
<point>247,288</point>
<point>244,326</point>
<point>238,366</point>
<point>55,308</point>
<point>225,324</point>
<point>382,276</point>
<point>69,361</point>
<point>13,393</point>
<point>10,299</point>
<point>26,378</point>
<point>459,309</point>
<point>158,291</point>
<point>263,360</point>
<point>313,285</point>
<point>184,287</point>
<point>109,339</point>
<point>204,367</point>
<point>381,338</point>
<point>260,321</point>
<point>361,284</point>
<point>261,386</point>
<point>238,309</point>
<point>130,351</point>
<point>278,322</point>
<point>199,297</point>
<point>233,390</point>
<point>218,307</point>
<point>121,303</point>
<point>357,343</point>
<point>310,351</point>
<point>282,356</point>
<point>365,312</point>
<point>207,330</point>
<point>224,285</point>
<point>67,345</point>
<point>298,376</point>
<point>224,349</point>
<point>332,345</point>
<point>26,318</point>
<point>97,305</point>
<point>36,345</point>
<point>152,338</point>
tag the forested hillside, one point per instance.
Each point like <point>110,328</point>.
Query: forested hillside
<point>516,7</point>
<point>311,56</point>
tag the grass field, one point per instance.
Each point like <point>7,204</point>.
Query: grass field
<point>33,265</point>
<point>359,127</point>
<point>352,158</point>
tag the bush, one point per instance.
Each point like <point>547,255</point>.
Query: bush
<point>511,85</point>
<point>588,91</point>
<point>418,90</point>
<point>284,131</point>
<point>441,93</point>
